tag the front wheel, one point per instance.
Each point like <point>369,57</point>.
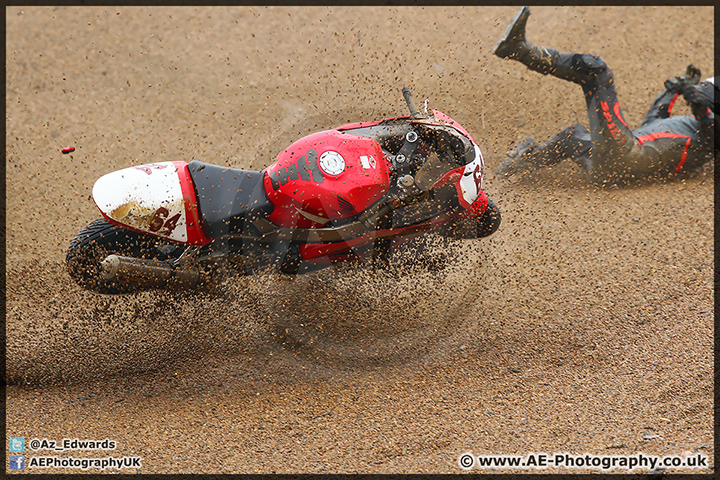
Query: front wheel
<point>482,226</point>
<point>101,238</point>
<point>489,221</point>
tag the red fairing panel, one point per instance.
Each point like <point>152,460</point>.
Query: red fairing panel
<point>195,231</point>
<point>351,126</point>
<point>477,208</point>
<point>323,253</point>
<point>446,118</point>
<point>468,184</point>
<point>325,176</point>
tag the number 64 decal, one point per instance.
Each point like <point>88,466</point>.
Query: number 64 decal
<point>160,221</point>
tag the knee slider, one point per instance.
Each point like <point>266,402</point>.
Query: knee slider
<point>588,64</point>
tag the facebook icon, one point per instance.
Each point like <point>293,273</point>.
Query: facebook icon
<point>17,462</point>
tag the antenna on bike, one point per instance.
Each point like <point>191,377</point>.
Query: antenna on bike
<point>414,112</point>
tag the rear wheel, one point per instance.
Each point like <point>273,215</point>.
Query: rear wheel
<point>100,239</point>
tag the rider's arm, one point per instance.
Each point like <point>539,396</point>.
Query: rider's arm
<point>662,106</point>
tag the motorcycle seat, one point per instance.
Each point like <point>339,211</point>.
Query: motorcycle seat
<point>228,198</point>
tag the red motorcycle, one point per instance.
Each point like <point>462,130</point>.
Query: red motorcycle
<point>353,192</point>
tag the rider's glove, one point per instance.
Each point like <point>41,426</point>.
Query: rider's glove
<point>689,78</point>
<point>698,96</point>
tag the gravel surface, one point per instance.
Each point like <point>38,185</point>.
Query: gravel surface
<point>584,325</point>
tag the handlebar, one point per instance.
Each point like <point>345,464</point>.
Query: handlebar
<point>414,112</point>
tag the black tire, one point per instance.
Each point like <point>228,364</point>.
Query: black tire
<point>489,221</point>
<point>100,239</point>
<point>482,226</point>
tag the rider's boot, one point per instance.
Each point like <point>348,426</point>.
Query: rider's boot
<point>520,159</point>
<point>544,60</point>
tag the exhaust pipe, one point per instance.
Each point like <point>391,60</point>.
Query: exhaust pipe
<point>147,272</point>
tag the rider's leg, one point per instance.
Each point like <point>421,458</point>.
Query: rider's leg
<point>541,59</point>
<point>572,143</point>
<point>612,139</point>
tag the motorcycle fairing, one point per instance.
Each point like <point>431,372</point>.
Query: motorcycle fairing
<point>322,253</point>
<point>470,184</point>
<point>327,252</point>
<point>447,119</point>
<point>156,199</point>
<point>437,115</point>
<point>372,123</point>
<point>469,197</point>
<point>468,179</point>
